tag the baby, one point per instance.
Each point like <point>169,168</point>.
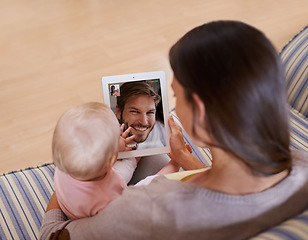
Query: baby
<point>85,145</point>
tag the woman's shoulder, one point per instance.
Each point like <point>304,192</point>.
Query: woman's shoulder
<point>300,157</point>
<point>299,163</point>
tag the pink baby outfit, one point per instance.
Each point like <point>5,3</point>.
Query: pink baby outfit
<point>80,199</point>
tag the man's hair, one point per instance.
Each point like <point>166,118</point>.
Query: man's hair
<point>237,74</point>
<point>84,139</point>
<point>132,89</point>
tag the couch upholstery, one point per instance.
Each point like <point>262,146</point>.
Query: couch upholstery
<point>24,194</point>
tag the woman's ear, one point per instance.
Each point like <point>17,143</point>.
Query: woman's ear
<point>200,109</point>
<point>201,137</point>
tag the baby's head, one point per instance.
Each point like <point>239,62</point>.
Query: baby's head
<point>85,141</point>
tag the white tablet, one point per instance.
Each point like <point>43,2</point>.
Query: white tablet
<point>140,100</point>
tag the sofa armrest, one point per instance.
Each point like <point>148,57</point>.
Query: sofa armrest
<point>294,57</point>
<point>295,228</point>
<point>24,197</point>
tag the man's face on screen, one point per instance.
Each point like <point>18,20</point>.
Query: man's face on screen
<point>139,113</point>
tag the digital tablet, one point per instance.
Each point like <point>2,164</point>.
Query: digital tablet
<point>140,100</point>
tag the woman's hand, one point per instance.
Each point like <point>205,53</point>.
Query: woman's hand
<point>177,143</point>
<point>180,153</point>
<point>123,140</point>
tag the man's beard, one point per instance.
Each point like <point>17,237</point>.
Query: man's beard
<point>138,126</point>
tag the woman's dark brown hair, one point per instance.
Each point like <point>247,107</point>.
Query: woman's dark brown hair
<point>237,73</point>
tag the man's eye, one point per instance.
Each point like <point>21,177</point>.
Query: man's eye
<point>150,113</point>
<point>132,111</point>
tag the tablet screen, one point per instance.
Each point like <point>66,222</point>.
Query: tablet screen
<point>140,101</point>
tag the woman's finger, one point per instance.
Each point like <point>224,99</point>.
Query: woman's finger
<point>174,128</point>
<point>171,123</point>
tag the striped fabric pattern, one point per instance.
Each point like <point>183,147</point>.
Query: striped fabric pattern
<point>299,130</point>
<point>293,229</point>
<point>24,197</point>
<point>294,56</point>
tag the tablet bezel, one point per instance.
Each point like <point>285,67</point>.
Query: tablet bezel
<point>108,80</point>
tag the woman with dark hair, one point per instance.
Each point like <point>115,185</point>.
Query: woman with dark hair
<point>112,90</point>
<point>230,97</point>
<point>233,81</point>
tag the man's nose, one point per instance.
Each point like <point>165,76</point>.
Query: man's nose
<point>143,119</point>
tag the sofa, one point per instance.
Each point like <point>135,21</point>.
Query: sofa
<point>25,193</point>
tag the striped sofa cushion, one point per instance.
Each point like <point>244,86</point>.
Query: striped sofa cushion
<point>293,229</point>
<point>24,198</point>
<point>299,130</point>
<point>294,56</point>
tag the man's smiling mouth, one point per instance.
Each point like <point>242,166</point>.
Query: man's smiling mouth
<point>141,129</point>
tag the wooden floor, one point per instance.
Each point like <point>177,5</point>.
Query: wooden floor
<point>54,53</point>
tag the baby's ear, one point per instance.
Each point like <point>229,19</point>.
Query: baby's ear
<point>200,108</point>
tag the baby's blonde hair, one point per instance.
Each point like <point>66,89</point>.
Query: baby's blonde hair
<point>85,140</point>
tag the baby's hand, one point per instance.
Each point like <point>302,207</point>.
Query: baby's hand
<point>123,140</point>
